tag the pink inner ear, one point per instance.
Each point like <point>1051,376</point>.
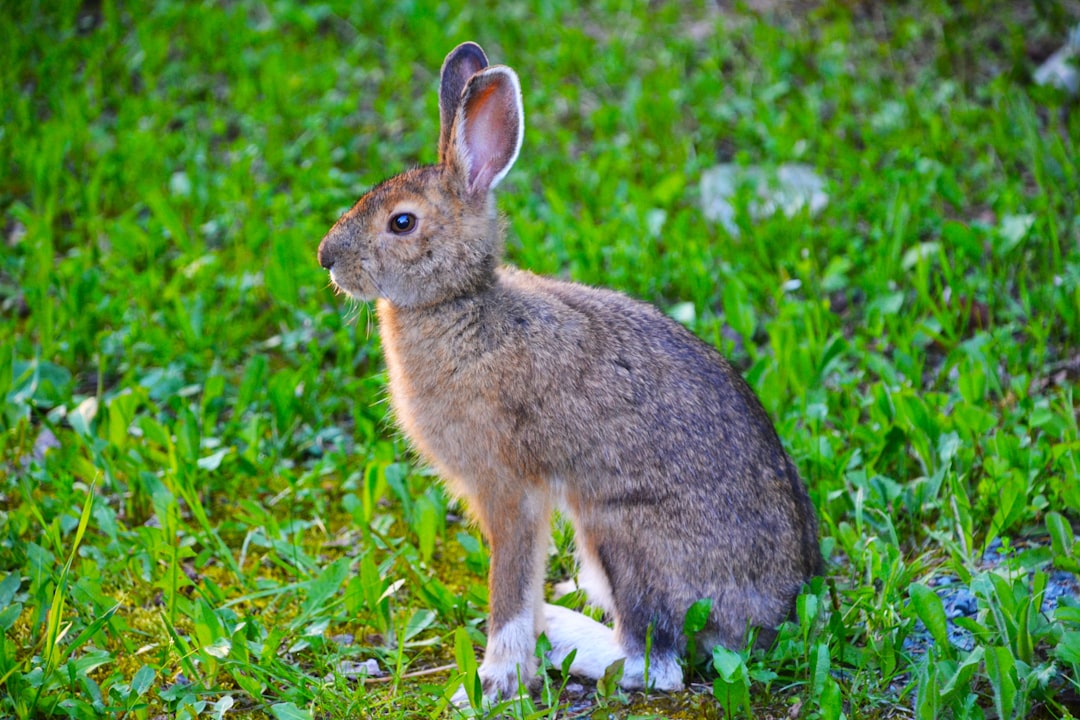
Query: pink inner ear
<point>487,139</point>
<point>491,130</point>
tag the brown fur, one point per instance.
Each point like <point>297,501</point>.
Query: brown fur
<point>527,393</point>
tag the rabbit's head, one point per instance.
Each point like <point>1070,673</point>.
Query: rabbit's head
<point>432,234</point>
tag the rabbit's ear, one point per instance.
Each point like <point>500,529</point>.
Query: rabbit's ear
<point>462,63</point>
<point>488,129</point>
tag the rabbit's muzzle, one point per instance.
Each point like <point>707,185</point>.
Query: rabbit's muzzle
<point>327,257</point>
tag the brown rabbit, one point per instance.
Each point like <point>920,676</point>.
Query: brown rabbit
<point>529,394</point>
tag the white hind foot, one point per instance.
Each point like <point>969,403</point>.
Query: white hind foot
<point>595,643</point>
<point>597,649</point>
<point>665,673</point>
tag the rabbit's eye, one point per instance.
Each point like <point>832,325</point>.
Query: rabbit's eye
<point>402,223</point>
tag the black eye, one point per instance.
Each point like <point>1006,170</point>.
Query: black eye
<point>403,223</point>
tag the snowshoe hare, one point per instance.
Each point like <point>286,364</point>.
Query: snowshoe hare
<point>528,394</point>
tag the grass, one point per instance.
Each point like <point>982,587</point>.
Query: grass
<point>203,508</point>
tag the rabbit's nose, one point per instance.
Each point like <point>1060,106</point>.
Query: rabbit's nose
<point>326,254</point>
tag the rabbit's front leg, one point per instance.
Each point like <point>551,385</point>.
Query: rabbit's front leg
<point>516,522</point>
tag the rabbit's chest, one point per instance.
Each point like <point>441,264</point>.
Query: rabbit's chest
<point>444,405</point>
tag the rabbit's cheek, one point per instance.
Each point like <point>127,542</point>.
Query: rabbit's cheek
<point>410,251</point>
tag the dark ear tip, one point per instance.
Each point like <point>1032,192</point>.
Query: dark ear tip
<point>467,51</point>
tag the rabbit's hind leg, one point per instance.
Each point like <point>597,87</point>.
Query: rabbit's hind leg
<point>567,631</point>
<point>664,672</point>
<point>597,649</point>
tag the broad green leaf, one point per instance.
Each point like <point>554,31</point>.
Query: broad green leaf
<point>8,587</point>
<point>122,410</point>
<point>1067,614</point>
<point>43,383</point>
<point>213,389</point>
<point>669,188</point>
<point>374,587</point>
<point>807,606</point>
<point>738,312</point>
<point>317,628</point>
<point>926,688</point>
<point>819,669</point>
<point>1068,648</point>
<point>208,626</point>
<point>728,664</point>
<point>253,384</point>
<point>355,601</point>
<point>282,393</point>
<point>9,615</point>
<point>608,685</point>
<point>326,584</point>
<point>1001,669</point>
<point>425,523</point>
<point>143,679</point>
<point>1061,533</point>
<point>930,609</point>
<point>188,437</point>
<point>959,680</point>
<point>91,660</point>
<point>1011,495</point>
<point>92,689</point>
<point>466,662</point>
<point>289,711</point>
<point>697,615</point>
<point>1025,644</point>
<point>1005,596</point>
<point>249,684</point>
<point>568,662</point>
<point>887,303</point>
<point>831,700</point>
<point>732,686</point>
<point>418,622</point>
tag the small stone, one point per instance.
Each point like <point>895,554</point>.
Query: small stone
<point>352,670</point>
<point>574,690</point>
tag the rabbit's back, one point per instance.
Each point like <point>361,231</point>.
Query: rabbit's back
<point>585,382</point>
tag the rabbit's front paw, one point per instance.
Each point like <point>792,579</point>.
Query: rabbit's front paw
<point>460,698</point>
<point>509,666</point>
<point>499,682</point>
<point>503,680</point>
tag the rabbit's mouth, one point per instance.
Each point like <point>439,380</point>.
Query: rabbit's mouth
<point>360,286</point>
